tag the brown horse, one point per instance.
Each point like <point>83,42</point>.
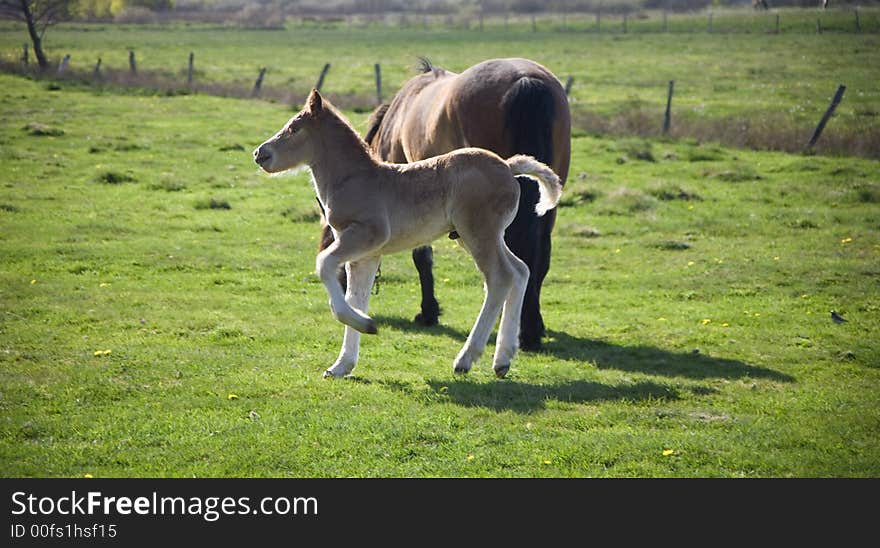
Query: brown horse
<point>508,106</point>
<point>374,208</point>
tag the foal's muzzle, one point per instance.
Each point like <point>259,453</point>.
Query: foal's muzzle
<point>262,156</point>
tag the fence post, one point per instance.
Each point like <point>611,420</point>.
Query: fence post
<point>378,69</point>
<point>534,24</point>
<point>63,65</point>
<point>132,65</point>
<point>598,20</point>
<point>259,83</point>
<point>819,25</point>
<point>321,77</point>
<point>858,25</point>
<point>189,69</point>
<point>24,54</point>
<point>709,24</point>
<point>568,84</point>
<point>776,31</point>
<point>97,73</point>
<point>667,117</point>
<point>825,117</point>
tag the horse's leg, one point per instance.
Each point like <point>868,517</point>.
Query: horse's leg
<point>542,264</point>
<point>360,280</point>
<point>423,258</point>
<point>522,237</point>
<point>499,279</point>
<point>507,340</point>
<point>356,241</point>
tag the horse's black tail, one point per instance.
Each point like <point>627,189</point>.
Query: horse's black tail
<point>530,110</point>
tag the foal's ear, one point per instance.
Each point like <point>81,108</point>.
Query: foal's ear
<point>315,102</point>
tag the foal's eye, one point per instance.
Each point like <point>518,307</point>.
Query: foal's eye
<point>291,130</point>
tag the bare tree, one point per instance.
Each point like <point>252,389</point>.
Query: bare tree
<point>38,15</point>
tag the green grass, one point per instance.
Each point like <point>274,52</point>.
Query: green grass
<point>687,307</point>
<point>739,84</point>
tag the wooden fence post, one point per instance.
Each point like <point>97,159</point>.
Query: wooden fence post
<point>534,24</point>
<point>320,81</point>
<point>63,65</point>
<point>819,25</point>
<point>24,54</point>
<point>667,117</point>
<point>598,20</point>
<point>858,24</point>
<point>825,117</point>
<point>189,69</point>
<point>132,65</point>
<point>378,69</point>
<point>776,31</point>
<point>568,84</point>
<point>97,72</point>
<point>259,83</point>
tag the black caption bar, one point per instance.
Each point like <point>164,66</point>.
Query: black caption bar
<point>242,512</point>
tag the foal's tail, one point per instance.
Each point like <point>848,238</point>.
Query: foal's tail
<point>548,182</point>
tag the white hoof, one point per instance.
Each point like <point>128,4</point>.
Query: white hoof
<point>338,371</point>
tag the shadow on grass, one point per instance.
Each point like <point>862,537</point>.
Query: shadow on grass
<point>407,324</point>
<point>654,361</point>
<point>523,397</point>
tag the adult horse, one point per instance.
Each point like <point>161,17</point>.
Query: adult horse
<point>508,106</point>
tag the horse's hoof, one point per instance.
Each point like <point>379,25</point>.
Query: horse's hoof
<point>530,345</point>
<point>329,375</point>
<point>426,320</point>
<point>370,328</point>
<point>460,370</point>
<point>501,370</point>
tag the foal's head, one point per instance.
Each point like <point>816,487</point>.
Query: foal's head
<point>293,145</point>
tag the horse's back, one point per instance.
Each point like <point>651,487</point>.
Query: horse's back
<point>513,106</point>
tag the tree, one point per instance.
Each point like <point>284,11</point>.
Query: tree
<point>38,15</point>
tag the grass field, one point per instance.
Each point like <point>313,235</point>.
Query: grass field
<point>159,314</point>
<point>738,85</point>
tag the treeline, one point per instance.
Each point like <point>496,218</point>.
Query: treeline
<point>168,9</point>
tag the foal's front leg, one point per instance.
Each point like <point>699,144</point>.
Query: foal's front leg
<point>361,275</point>
<point>355,242</point>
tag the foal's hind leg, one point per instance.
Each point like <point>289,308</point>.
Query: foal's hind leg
<point>507,341</point>
<point>360,280</point>
<point>499,279</point>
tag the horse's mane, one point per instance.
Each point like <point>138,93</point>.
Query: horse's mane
<point>375,122</point>
<point>424,66</point>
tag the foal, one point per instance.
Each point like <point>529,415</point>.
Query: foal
<point>374,208</point>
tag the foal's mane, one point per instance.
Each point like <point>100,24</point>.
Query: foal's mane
<point>335,119</point>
